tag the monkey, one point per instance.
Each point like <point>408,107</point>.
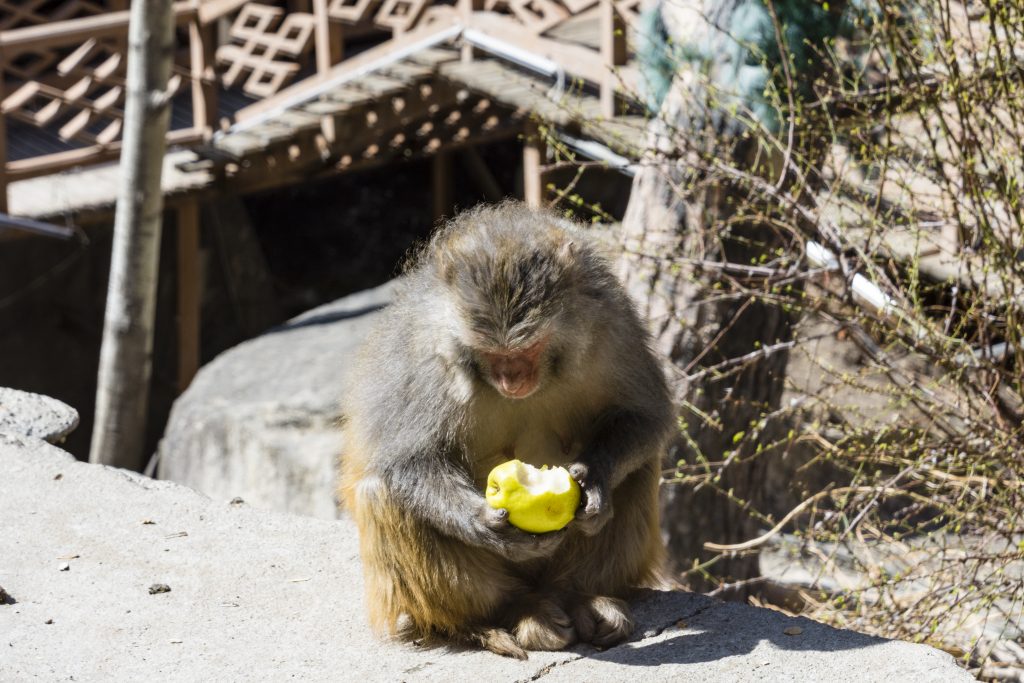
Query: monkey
<point>508,338</point>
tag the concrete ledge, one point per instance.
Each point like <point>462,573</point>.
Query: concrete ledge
<point>257,595</point>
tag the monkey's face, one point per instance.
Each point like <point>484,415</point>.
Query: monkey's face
<point>515,373</point>
<point>509,307</point>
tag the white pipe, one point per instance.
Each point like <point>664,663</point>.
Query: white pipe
<point>595,150</point>
<point>524,58</point>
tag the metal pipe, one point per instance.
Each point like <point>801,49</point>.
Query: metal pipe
<point>595,150</point>
<point>512,53</point>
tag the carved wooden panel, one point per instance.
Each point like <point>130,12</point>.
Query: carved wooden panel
<point>400,15</point>
<point>16,14</point>
<point>83,99</point>
<point>265,48</point>
<point>21,13</point>
<point>630,11</point>
<point>538,15</point>
<point>577,6</point>
<point>351,11</point>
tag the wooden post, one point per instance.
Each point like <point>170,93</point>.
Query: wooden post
<point>481,174</point>
<point>202,48</point>
<point>533,155</point>
<point>3,146</point>
<point>190,293</point>
<point>330,43</point>
<point>330,49</point>
<point>466,8</point>
<point>613,53</point>
<point>442,180</point>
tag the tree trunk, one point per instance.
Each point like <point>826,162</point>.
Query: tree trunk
<point>697,323</point>
<point>677,219</point>
<point>126,356</point>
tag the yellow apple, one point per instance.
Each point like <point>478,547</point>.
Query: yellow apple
<point>537,500</point>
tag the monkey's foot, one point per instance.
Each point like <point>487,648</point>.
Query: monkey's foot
<point>500,642</point>
<point>602,621</point>
<point>545,626</point>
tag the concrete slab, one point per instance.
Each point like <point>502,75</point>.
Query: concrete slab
<point>258,595</point>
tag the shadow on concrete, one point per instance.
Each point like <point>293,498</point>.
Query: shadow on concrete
<point>325,318</point>
<point>712,630</point>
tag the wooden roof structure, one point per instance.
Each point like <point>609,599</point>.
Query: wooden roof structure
<point>272,93</point>
<point>265,95</point>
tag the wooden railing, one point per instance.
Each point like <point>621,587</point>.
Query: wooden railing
<point>63,80</point>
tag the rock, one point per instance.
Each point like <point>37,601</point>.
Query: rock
<point>890,574</point>
<point>259,594</point>
<point>35,415</point>
<point>260,422</point>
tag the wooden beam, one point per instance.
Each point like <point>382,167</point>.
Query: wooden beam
<point>60,161</point>
<point>212,10</point>
<point>70,31</point>
<point>352,66</point>
<point>441,174</point>
<point>330,45</point>
<point>190,293</point>
<point>330,49</point>
<point>482,175</point>
<point>575,59</point>
<point>3,145</point>
<point>202,63</point>
<point>613,53</point>
<point>533,155</point>
<point>466,9</point>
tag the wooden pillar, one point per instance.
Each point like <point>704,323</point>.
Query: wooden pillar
<point>613,53</point>
<point>330,43</point>
<point>190,294</point>
<point>442,181</point>
<point>480,174</point>
<point>3,146</point>
<point>533,157</point>
<point>466,9</point>
<point>330,49</point>
<point>202,47</point>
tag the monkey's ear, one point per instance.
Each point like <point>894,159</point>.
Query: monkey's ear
<point>567,251</point>
<point>446,267</point>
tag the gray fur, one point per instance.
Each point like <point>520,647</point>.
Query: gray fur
<point>430,425</point>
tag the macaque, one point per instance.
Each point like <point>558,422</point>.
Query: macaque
<point>509,338</point>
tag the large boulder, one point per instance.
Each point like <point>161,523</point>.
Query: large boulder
<point>261,421</point>
<point>108,575</point>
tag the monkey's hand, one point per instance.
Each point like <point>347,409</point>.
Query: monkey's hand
<point>596,503</point>
<point>515,544</point>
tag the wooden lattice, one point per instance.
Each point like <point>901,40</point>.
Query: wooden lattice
<point>22,13</point>
<point>351,11</point>
<point>265,47</point>
<point>86,105</point>
<point>15,14</point>
<point>538,16</point>
<point>630,11</point>
<point>400,15</point>
<point>82,100</point>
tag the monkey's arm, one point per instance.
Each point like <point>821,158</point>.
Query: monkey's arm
<point>625,437</point>
<point>435,491</point>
